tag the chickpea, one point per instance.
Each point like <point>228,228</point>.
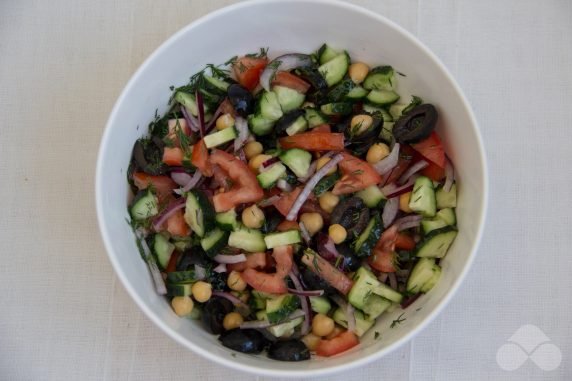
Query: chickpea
<point>313,222</point>
<point>232,320</point>
<point>322,325</point>
<point>377,152</point>
<point>404,202</point>
<point>257,161</point>
<point>252,149</point>
<point>224,121</point>
<point>253,217</point>
<point>358,71</point>
<point>328,201</point>
<point>337,330</point>
<point>361,123</point>
<point>182,305</point>
<point>323,161</point>
<point>338,233</point>
<point>235,281</point>
<point>202,291</point>
<point>311,341</point>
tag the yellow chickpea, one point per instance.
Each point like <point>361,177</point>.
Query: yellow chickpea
<point>313,222</point>
<point>224,121</point>
<point>358,71</point>
<point>253,217</point>
<point>377,152</point>
<point>182,305</point>
<point>252,149</point>
<point>235,281</point>
<point>257,161</point>
<point>360,123</point>
<point>404,202</point>
<point>311,341</point>
<point>323,161</point>
<point>338,233</point>
<point>322,325</point>
<point>202,291</point>
<point>337,330</point>
<point>328,201</point>
<point>232,320</point>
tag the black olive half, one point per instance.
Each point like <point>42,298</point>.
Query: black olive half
<point>350,261</point>
<point>244,340</point>
<point>359,143</point>
<point>148,155</point>
<point>241,99</point>
<point>352,214</point>
<point>416,125</point>
<point>214,312</point>
<point>289,350</point>
<point>313,281</point>
<point>287,120</point>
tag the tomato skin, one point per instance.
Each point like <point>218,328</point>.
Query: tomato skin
<point>248,69</point>
<point>338,344</point>
<point>245,188</point>
<point>253,261</point>
<point>173,156</point>
<point>356,175</point>
<point>286,79</point>
<point>328,272</point>
<point>431,149</point>
<point>404,242</point>
<point>287,225</point>
<point>286,201</point>
<point>384,257</point>
<point>163,185</point>
<point>172,265</point>
<point>176,224</point>
<point>314,141</point>
<point>321,128</point>
<point>200,158</point>
<point>434,172</point>
<point>406,157</point>
<point>272,283</point>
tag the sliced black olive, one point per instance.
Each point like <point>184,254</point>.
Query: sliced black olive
<point>350,262</point>
<point>416,125</point>
<point>313,281</point>
<point>352,214</point>
<point>313,76</point>
<point>359,142</point>
<point>214,312</point>
<point>193,256</point>
<point>148,155</point>
<point>289,350</point>
<point>244,340</point>
<point>272,219</point>
<point>241,99</point>
<point>287,120</point>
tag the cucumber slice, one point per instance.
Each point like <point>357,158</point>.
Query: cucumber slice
<point>369,237</point>
<point>342,89</point>
<point>363,324</point>
<point>259,125</point>
<point>437,243</point>
<point>447,215</point>
<point>315,117</point>
<point>268,178</point>
<point>388,293</point>
<point>250,240</point>
<point>327,53</point>
<point>420,275</point>
<point>423,197</point>
<point>299,125</point>
<point>283,238</point>
<point>375,306</point>
<point>380,78</point>
<point>356,93</point>
<point>181,277</point>
<point>433,280</point>
<point>227,221</point>
<point>199,213</point>
<point>187,100</point>
<point>382,97</point>
<point>288,98</point>
<point>218,84</point>
<point>162,249</point>
<point>220,137</point>
<point>378,111</point>
<point>214,241</point>
<point>446,199</point>
<point>335,109</point>
<point>297,160</point>
<point>145,205</point>
<point>269,106</point>
<point>175,289</point>
<point>371,196</point>
<point>444,217</point>
<point>320,304</point>
<point>279,307</point>
<point>326,184</point>
<point>335,69</point>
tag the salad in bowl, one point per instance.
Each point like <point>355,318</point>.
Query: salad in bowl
<point>288,202</point>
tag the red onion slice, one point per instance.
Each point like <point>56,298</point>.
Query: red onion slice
<point>268,201</point>
<point>382,277</point>
<point>285,62</point>
<point>283,185</point>
<point>411,171</point>
<point>234,300</point>
<point>192,122</point>
<point>304,233</point>
<point>304,302</point>
<point>229,259</point>
<point>200,272</point>
<point>409,301</point>
<point>220,268</point>
<point>351,317</point>
<point>241,126</point>
<point>408,222</point>
<point>306,292</point>
<point>181,178</point>
<point>168,212</point>
<point>153,269</point>
<point>392,280</point>
<point>261,324</point>
<point>193,181</point>
<point>326,247</point>
<point>212,121</point>
<point>449,175</point>
<point>385,166</point>
<point>392,190</point>
<point>268,163</point>
<point>303,196</point>
<point>201,107</point>
<point>390,211</point>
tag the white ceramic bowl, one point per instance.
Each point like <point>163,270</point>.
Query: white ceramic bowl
<point>289,26</point>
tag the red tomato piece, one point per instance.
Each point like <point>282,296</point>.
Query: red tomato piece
<point>163,185</point>
<point>314,141</point>
<point>384,257</point>
<point>287,225</point>
<point>173,156</point>
<point>329,273</point>
<point>338,344</point>
<point>431,149</point>
<point>404,242</point>
<point>253,261</point>
<point>200,158</point>
<point>321,128</point>
<point>176,224</point>
<point>356,175</point>
<point>248,69</point>
<point>286,201</point>
<point>286,79</point>
<point>172,265</point>
<point>272,283</point>
<point>434,172</point>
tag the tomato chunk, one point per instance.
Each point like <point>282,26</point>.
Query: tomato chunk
<point>286,201</point>
<point>404,242</point>
<point>245,187</point>
<point>200,158</point>
<point>173,156</point>
<point>253,261</point>
<point>338,344</point>
<point>286,79</point>
<point>434,172</point>
<point>356,175</point>
<point>329,273</point>
<point>314,141</point>
<point>163,185</point>
<point>383,257</point>
<point>287,225</point>
<point>248,69</point>
<point>321,128</point>
<point>431,149</point>
<point>176,224</point>
<point>272,283</point>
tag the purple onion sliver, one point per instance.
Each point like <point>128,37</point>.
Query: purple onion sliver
<point>412,170</point>
<point>220,268</point>
<point>449,175</point>
<point>326,247</point>
<point>384,166</point>
<point>193,182</point>
<point>306,292</point>
<point>200,272</point>
<point>201,108</point>
<point>269,201</point>
<point>392,190</point>
<point>390,211</point>
<point>192,122</point>
<point>304,233</point>
<point>181,178</point>
<point>392,280</point>
<point>408,301</point>
<point>304,302</point>
<point>241,126</point>
<point>350,317</point>
<point>382,277</point>
<point>215,116</point>
<point>409,225</point>
<point>153,269</point>
<point>168,212</point>
<point>229,259</point>
<point>232,298</point>
<point>269,162</point>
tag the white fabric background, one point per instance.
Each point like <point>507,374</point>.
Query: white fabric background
<point>64,315</point>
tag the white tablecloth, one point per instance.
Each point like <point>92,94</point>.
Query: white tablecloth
<point>65,316</point>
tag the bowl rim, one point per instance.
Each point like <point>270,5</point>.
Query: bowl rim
<point>112,255</point>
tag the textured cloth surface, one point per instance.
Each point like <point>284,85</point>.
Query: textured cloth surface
<point>65,316</point>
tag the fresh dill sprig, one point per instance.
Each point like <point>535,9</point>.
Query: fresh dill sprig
<point>397,321</point>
